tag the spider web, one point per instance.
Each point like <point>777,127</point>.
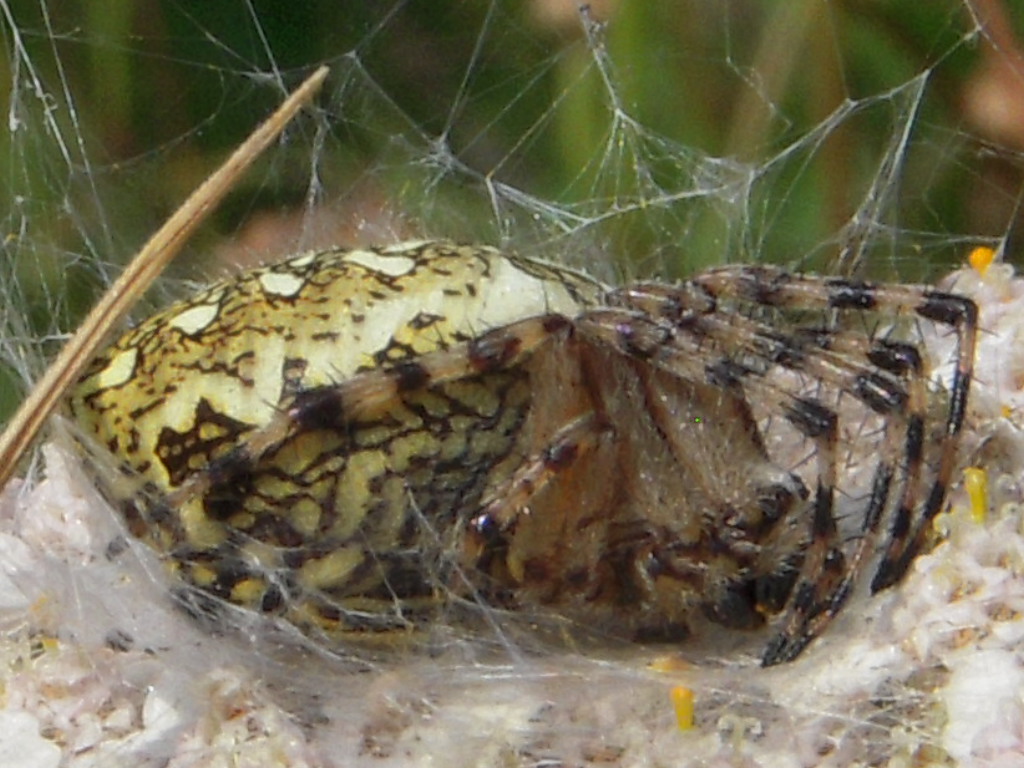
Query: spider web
<point>632,140</point>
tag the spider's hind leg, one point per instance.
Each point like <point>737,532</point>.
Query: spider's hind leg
<point>500,509</point>
<point>368,394</point>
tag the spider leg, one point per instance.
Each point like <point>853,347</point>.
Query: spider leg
<point>809,618</point>
<point>770,286</point>
<point>894,383</point>
<point>685,353</point>
<point>894,388</point>
<point>371,392</point>
<point>904,362</point>
<point>503,505</point>
<point>907,536</point>
<point>908,528</point>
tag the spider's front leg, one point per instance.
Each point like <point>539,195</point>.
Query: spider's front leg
<point>895,390</point>
<point>698,333</point>
<point>744,561</point>
<point>773,287</point>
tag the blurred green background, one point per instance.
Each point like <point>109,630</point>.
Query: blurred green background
<point>649,137</point>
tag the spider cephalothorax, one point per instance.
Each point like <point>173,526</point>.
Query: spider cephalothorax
<point>349,439</point>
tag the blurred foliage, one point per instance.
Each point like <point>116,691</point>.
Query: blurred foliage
<point>119,109</point>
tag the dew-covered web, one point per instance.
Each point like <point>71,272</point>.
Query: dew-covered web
<point>632,140</point>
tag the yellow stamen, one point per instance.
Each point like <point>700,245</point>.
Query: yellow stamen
<point>682,702</point>
<point>981,259</point>
<point>976,484</point>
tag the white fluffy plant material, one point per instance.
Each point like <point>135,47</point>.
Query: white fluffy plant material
<point>101,669</point>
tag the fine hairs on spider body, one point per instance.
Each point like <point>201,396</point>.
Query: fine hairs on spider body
<point>355,440</point>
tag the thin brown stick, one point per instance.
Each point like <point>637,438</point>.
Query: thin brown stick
<point>137,277</point>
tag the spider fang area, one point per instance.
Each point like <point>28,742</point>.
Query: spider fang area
<point>361,441</point>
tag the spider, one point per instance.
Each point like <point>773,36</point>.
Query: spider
<point>355,440</point>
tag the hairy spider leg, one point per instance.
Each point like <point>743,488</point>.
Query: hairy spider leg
<point>895,382</point>
<point>502,507</point>
<point>772,287</point>
<point>904,361</point>
<point>685,354</point>
<point>893,386</point>
<point>368,393</point>
<point>499,509</point>
<point>907,538</point>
